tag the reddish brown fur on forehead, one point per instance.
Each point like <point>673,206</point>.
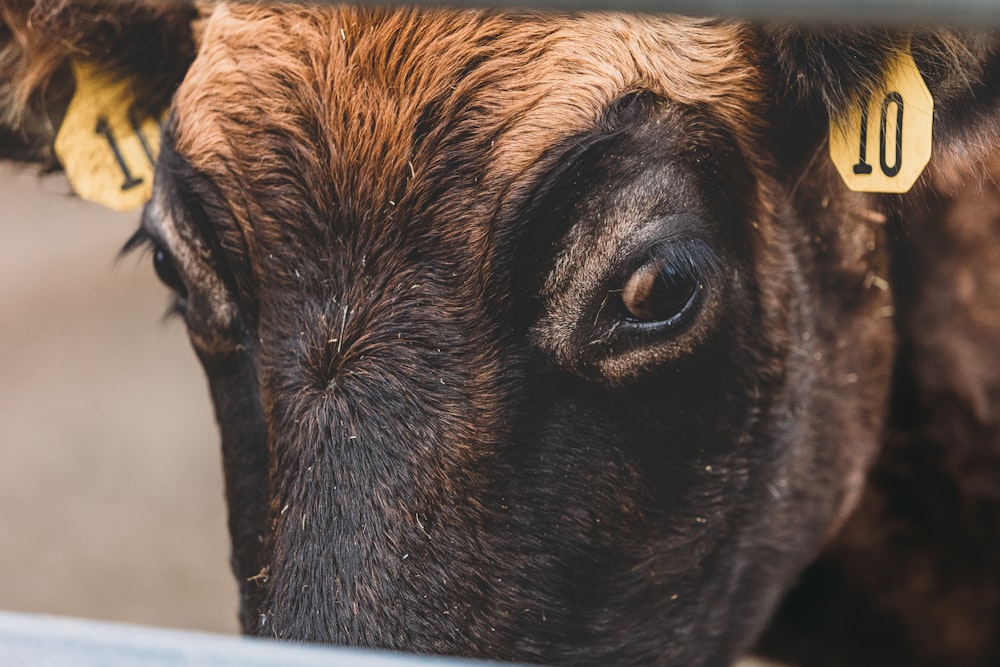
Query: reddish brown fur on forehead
<point>363,100</point>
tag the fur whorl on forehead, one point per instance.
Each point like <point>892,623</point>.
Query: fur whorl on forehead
<point>148,42</point>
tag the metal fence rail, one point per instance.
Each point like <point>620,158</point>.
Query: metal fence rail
<point>29,640</point>
<point>976,13</point>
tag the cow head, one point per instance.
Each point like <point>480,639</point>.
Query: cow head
<point>536,337</point>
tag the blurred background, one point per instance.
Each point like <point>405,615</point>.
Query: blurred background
<point>111,502</point>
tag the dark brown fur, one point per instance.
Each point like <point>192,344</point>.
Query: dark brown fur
<point>914,577</point>
<point>398,237</point>
<point>149,43</point>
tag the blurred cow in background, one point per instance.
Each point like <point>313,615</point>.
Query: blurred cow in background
<point>559,338</point>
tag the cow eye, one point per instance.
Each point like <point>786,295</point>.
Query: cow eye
<point>166,271</point>
<point>658,292</point>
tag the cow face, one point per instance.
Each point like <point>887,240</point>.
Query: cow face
<point>519,346</point>
<point>535,337</point>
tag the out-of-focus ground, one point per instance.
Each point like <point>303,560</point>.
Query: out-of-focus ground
<point>111,499</point>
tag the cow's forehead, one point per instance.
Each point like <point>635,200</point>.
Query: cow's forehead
<point>363,113</point>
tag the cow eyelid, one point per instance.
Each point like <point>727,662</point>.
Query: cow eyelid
<point>166,270</point>
<point>163,262</point>
<point>664,282</point>
<point>139,240</point>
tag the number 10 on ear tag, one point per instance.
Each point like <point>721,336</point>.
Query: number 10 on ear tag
<point>884,144</point>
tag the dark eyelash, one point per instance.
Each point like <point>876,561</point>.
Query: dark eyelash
<point>693,257</point>
<point>140,240</point>
<point>143,241</point>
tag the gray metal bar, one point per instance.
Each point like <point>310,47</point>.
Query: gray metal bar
<point>980,13</point>
<point>29,640</point>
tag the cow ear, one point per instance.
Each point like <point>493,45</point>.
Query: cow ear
<point>824,73</point>
<point>143,46</point>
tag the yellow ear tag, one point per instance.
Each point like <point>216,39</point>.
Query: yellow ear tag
<point>108,152</point>
<point>885,143</point>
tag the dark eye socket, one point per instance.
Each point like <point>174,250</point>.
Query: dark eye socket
<point>659,291</point>
<point>167,272</point>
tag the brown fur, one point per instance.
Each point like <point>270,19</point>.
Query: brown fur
<point>914,577</point>
<point>428,445</point>
<point>149,43</point>
<point>357,143</point>
<point>358,119</point>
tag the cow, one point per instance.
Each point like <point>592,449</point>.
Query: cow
<point>558,337</point>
